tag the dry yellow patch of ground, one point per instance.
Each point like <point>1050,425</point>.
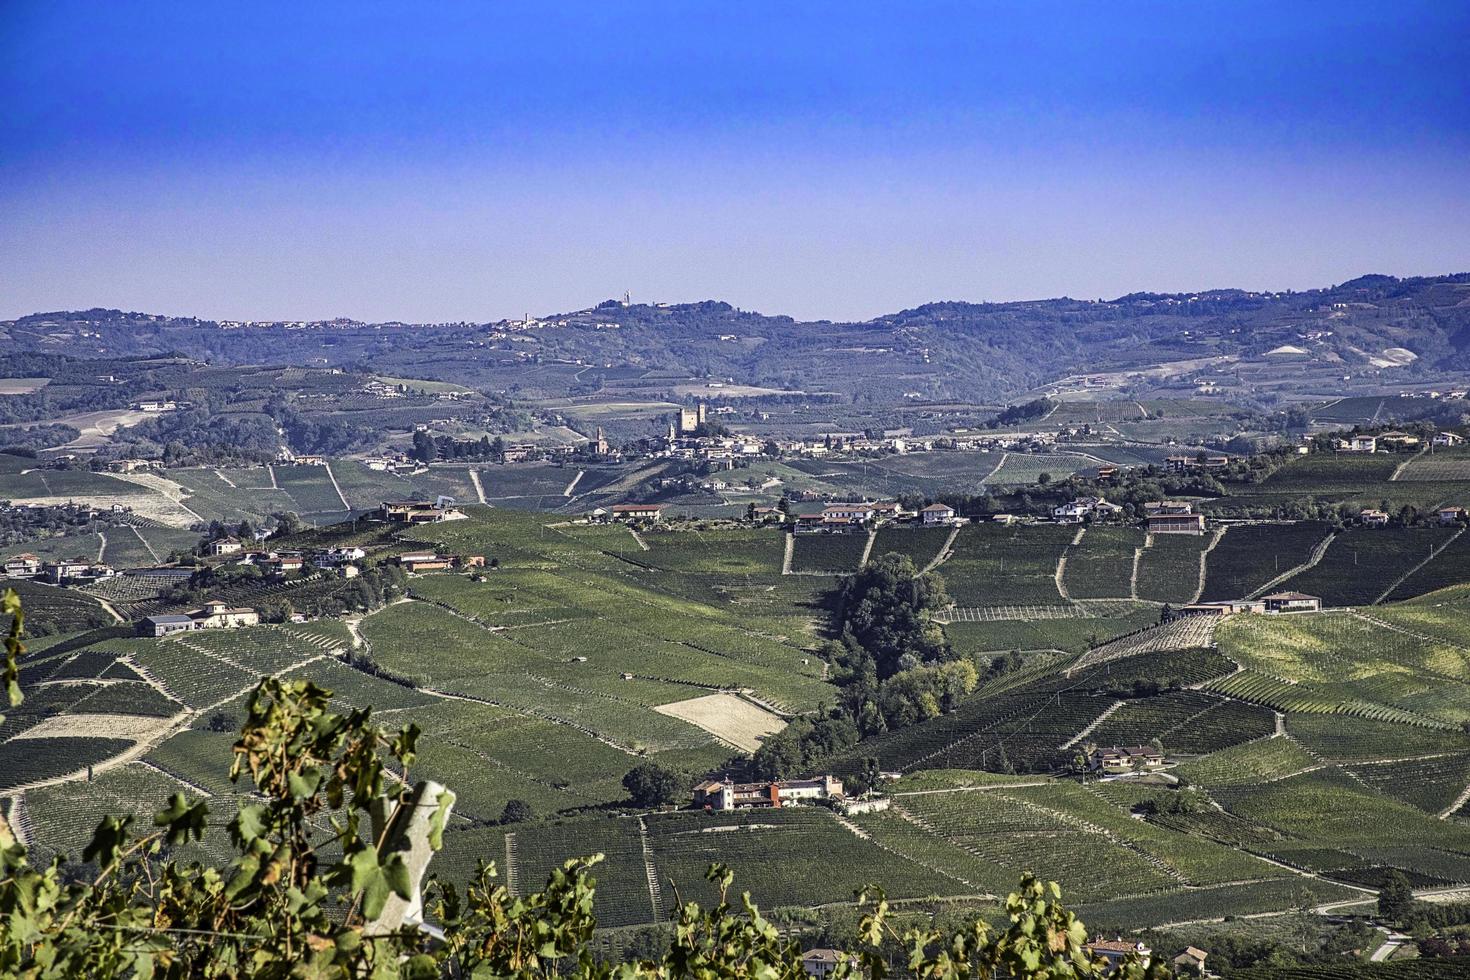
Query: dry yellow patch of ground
<point>728,718</point>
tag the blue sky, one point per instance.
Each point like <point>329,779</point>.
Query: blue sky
<point>471,161</point>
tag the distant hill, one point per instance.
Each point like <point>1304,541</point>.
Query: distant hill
<point>935,351</point>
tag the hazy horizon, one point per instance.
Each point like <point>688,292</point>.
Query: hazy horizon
<point>472,163</point>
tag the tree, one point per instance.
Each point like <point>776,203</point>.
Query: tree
<point>517,811</point>
<point>650,785</point>
<point>1396,897</point>
<point>884,611</point>
<point>424,449</point>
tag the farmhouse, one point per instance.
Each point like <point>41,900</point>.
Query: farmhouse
<point>1372,518</point>
<point>218,615</point>
<point>76,571</point>
<point>847,513</point>
<point>417,512</point>
<point>1291,602</point>
<point>24,565</point>
<point>1115,952</point>
<point>938,514</point>
<point>1190,961</point>
<point>1161,507</point>
<point>820,963</point>
<point>1451,515</point>
<point>1175,523</point>
<point>725,794</point>
<point>637,512</point>
<point>333,557</point>
<point>130,465</point>
<point>225,546</point>
<point>424,561</point>
<point>1447,439</point>
<point>1221,608</point>
<point>155,405</point>
<point>1117,761</point>
<point>1182,464</point>
<point>1398,440</point>
<point>1359,444</point>
<point>163,625</point>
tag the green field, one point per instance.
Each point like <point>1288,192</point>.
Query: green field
<point>996,565</point>
<point>1362,564</point>
<point>540,680</point>
<point>1101,567</point>
<point>1251,555</point>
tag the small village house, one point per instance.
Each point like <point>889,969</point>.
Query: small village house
<point>1291,602</point>
<point>417,512</point>
<point>24,565</point>
<point>1371,517</point>
<point>229,545</point>
<point>725,794</point>
<point>218,615</point>
<point>1398,440</point>
<point>937,514</point>
<point>1447,439</point>
<point>1190,961</point>
<point>1115,952</point>
<point>638,512</point>
<point>1451,515</point>
<point>820,963</point>
<point>1121,761</point>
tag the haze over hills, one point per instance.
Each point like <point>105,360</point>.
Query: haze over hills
<point>936,351</point>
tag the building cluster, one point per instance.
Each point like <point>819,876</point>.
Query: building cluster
<point>420,512</point>
<point>276,565</point>
<point>1275,604</point>
<point>433,561</point>
<point>74,571</point>
<point>726,794</point>
<point>1395,441</point>
<point>212,615</point>
<point>1125,760</point>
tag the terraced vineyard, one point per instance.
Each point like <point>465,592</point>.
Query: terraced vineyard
<point>997,565</point>
<point>543,681</point>
<point>1362,564</point>
<point>1101,567</point>
<point>1251,555</point>
<point>828,554</point>
<point>1169,568</point>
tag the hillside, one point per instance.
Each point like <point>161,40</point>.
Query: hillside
<point>935,351</point>
<point>591,648</point>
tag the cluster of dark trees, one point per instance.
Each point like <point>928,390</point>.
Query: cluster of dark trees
<point>21,524</point>
<point>429,448</point>
<point>1024,412</point>
<point>891,663</point>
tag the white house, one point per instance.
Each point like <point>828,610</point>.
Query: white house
<point>938,514</point>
